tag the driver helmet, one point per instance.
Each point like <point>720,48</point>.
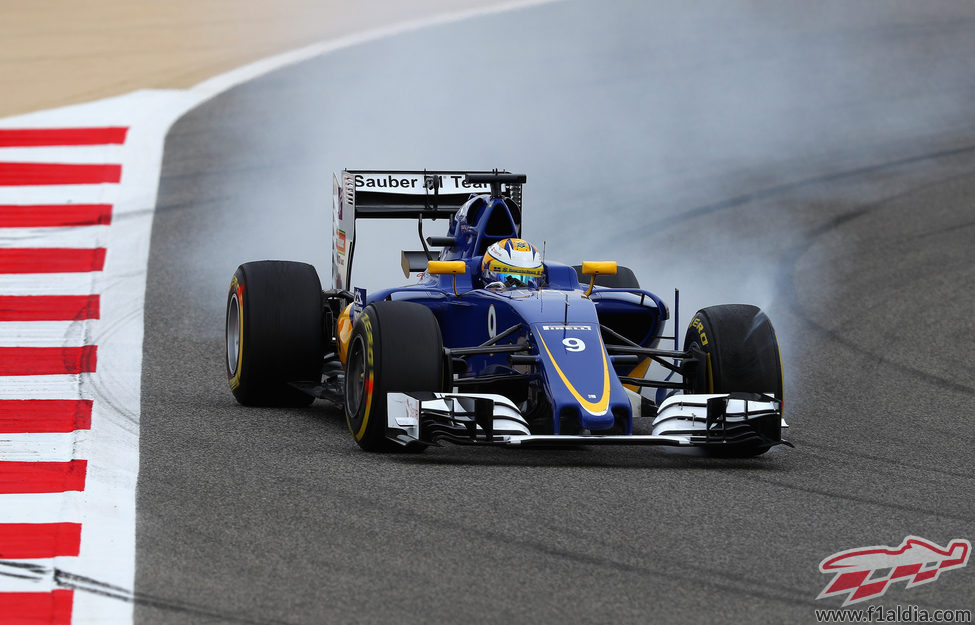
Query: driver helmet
<point>513,263</point>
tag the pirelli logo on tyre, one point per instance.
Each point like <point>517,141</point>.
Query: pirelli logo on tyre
<point>234,361</point>
<point>370,374</point>
<point>697,325</point>
<point>369,342</point>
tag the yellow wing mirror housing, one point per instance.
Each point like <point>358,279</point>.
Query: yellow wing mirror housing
<point>596,267</point>
<point>453,268</point>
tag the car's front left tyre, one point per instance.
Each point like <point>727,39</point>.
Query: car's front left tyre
<point>395,347</point>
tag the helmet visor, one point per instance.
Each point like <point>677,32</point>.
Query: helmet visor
<point>519,279</point>
<point>512,275</point>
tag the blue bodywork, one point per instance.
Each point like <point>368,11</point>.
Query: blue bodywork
<point>564,378</point>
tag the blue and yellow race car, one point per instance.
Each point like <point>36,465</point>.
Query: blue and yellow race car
<point>494,345</point>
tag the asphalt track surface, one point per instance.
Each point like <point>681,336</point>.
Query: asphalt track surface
<point>817,162</point>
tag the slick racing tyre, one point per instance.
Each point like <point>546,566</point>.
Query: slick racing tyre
<point>395,347</point>
<point>274,332</point>
<point>741,354</point>
<point>624,278</point>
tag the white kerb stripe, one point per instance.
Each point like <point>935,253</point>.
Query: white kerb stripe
<point>44,447</point>
<point>63,386</point>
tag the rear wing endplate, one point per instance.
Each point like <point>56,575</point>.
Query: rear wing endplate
<point>392,194</point>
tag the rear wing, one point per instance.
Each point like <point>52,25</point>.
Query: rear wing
<point>389,194</point>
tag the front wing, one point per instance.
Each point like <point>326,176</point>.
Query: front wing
<point>724,422</point>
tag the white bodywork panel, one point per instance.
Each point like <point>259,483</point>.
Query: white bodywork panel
<point>685,413</point>
<point>403,411</point>
<point>681,420</point>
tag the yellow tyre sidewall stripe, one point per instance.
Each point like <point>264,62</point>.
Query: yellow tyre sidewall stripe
<point>235,289</point>
<point>369,370</point>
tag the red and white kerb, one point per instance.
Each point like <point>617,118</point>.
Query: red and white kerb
<point>49,254</point>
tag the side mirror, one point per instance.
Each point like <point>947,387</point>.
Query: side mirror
<point>451,267</point>
<point>596,267</point>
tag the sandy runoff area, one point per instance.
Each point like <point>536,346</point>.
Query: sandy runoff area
<point>58,52</point>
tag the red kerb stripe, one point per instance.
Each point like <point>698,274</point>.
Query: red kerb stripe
<point>36,608</point>
<point>49,307</point>
<point>51,260</point>
<point>39,540</point>
<point>47,360</point>
<point>44,415</point>
<point>37,137</point>
<point>25,174</point>
<point>54,215</point>
<point>42,477</point>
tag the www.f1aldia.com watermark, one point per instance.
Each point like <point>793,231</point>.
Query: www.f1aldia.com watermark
<point>897,614</point>
<point>867,572</point>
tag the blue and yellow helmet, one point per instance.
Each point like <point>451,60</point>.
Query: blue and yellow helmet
<point>513,263</point>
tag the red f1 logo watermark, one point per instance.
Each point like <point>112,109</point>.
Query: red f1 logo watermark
<point>866,572</point>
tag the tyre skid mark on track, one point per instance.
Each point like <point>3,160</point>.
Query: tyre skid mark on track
<point>880,359</point>
<point>826,452</point>
<point>63,580</point>
<point>697,576</point>
<point>940,231</point>
<point>862,500</point>
<point>792,256</point>
<point>659,225</point>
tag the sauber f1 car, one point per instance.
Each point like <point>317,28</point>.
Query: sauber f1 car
<point>494,345</point>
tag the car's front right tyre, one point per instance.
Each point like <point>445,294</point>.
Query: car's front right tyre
<point>741,354</point>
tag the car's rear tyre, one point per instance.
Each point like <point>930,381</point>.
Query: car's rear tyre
<point>395,347</point>
<point>274,332</point>
<point>741,354</point>
<point>624,278</point>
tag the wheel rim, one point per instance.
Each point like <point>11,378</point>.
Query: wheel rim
<point>355,377</point>
<point>233,334</point>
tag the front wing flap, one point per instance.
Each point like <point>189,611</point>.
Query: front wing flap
<point>727,421</point>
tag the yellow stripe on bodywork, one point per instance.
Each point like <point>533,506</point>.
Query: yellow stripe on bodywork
<point>594,408</point>
<point>344,333</point>
<point>638,371</point>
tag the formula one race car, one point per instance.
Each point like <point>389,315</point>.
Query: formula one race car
<point>494,345</point>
